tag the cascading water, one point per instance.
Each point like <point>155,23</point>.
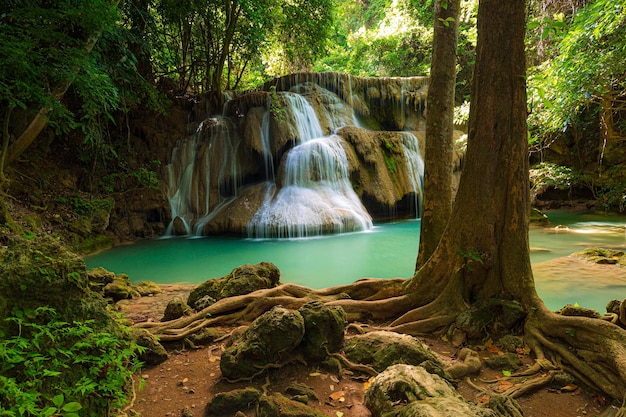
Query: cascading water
<point>209,156</point>
<point>415,165</point>
<point>282,161</point>
<point>316,196</point>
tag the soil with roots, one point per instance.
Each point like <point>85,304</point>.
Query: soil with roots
<point>190,378</point>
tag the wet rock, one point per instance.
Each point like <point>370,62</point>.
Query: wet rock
<point>242,280</point>
<point>155,353</point>
<point>602,256</point>
<point>572,310</point>
<point>228,403</point>
<point>270,339</point>
<point>382,349</point>
<point>178,227</point>
<point>324,329</point>
<point>279,406</point>
<point>410,391</point>
<point>175,309</point>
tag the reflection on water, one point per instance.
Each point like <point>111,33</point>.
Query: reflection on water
<point>386,251</point>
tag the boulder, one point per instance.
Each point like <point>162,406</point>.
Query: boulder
<point>228,403</point>
<point>324,327</point>
<point>270,339</point>
<point>147,288</point>
<point>410,391</point>
<point>175,309</point>
<point>120,289</point>
<point>381,349</point>
<point>242,280</point>
<point>278,405</point>
<point>154,352</point>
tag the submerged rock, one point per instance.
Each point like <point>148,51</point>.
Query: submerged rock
<point>270,339</point>
<point>382,349</point>
<point>242,280</point>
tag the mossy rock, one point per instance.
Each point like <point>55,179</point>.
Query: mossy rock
<point>228,403</point>
<point>410,391</point>
<point>270,339</point>
<point>175,309</point>
<point>324,329</point>
<point>99,277</point>
<point>507,362</point>
<point>602,256</point>
<point>242,280</point>
<point>120,289</point>
<point>154,352</point>
<point>147,288</point>
<point>381,349</point>
<point>278,405</point>
<point>41,271</point>
<point>572,310</point>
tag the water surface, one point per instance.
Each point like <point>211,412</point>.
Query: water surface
<point>387,251</point>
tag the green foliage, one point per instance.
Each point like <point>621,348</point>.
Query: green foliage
<point>50,367</point>
<point>471,257</point>
<point>547,175</point>
<point>127,180</point>
<point>587,65</point>
<point>85,207</point>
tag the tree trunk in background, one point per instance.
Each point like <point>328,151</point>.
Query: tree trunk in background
<point>437,202</point>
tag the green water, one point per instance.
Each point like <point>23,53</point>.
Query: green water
<point>387,251</point>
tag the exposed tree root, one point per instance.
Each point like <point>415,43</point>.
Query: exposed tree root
<point>592,350</point>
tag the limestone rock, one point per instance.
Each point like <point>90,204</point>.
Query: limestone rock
<point>155,353</point>
<point>410,391</point>
<point>279,406</point>
<point>228,403</point>
<point>175,309</point>
<point>324,328</point>
<point>147,288</point>
<point>120,289</point>
<point>242,280</point>
<point>381,349</point>
<point>270,339</point>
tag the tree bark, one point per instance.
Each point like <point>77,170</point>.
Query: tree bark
<point>437,202</point>
<point>485,243</point>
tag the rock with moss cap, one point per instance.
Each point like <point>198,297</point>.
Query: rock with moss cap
<point>381,349</point>
<point>324,329</point>
<point>242,280</point>
<point>271,339</point>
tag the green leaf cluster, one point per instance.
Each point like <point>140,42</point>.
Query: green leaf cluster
<point>51,367</point>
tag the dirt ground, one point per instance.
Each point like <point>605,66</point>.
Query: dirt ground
<point>190,378</point>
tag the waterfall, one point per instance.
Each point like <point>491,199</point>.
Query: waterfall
<point>278,163</point>
<point>316,196</point>
<point>202,175</point>
<point>415,166</point>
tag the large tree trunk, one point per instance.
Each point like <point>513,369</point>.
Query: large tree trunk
<point>437,202</point>
<point>485,244</point>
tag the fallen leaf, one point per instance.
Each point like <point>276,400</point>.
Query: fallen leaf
<point>334,379</point>
<point>339,414</point>
<point>367,383</point>
<point>337,395</point>
<point>314,374</point>
<point>504,386</point>
<point>332,387</point>
<point>506,373</point>
<point>569,388</point>
<point>484,399</point>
